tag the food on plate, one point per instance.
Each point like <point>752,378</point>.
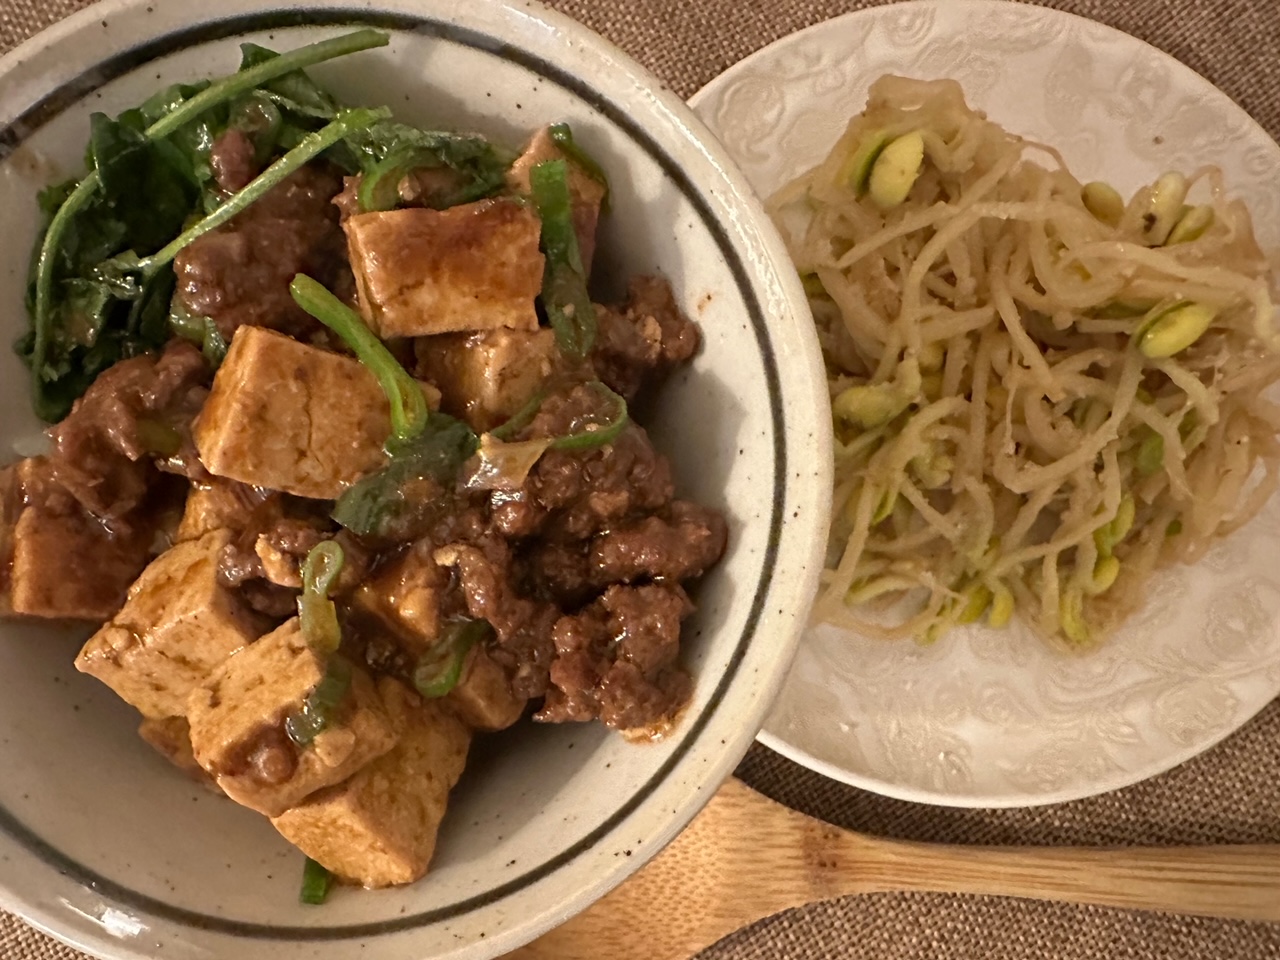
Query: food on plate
<point>1041,391</point>
<point>343,464</point>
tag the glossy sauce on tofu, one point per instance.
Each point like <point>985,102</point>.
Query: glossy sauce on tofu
<point>188,498</point>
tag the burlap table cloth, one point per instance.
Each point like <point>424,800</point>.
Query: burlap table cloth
<point>1229,795</point>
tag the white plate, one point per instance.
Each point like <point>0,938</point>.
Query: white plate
<point>994,718</point>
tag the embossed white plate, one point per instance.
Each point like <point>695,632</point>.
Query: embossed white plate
<point>994,718</point>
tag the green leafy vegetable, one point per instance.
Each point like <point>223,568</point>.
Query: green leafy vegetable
<point>416,489</point>
<point>564,282</point>
<point>440,668</point>
<point>130,165</point>
<point>149,171</point>
<point>320,706</point>
<point>408,405</point>
<point>318,615</point>
<point>562,137</point>
<point>316,884</point>
<point>292,90</point>
<point>311,146</point>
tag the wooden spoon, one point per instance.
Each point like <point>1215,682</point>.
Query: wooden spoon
<point>745,857</point>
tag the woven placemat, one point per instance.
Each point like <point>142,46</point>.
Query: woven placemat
<point>1229,795</point>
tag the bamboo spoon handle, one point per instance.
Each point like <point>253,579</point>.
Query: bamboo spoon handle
<point>1235,882</point>
<point>746,857</point>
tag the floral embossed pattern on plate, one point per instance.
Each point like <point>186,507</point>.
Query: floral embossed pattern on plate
<point>996,718</point>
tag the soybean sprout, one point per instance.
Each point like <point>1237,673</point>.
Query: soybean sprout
<point>1042,392</point>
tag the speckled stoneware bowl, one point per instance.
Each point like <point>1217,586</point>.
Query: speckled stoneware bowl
<point>105,846</point>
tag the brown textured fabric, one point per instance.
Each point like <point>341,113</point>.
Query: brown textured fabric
<point>1229,795</point>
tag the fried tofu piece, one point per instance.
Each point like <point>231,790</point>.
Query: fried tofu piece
<point>486,378</point>
<point>287,416</point>
<point>379,828</point>
<point>178,624</point>
<point>404,598</point>
<point>471,267</point>
<point>171,738</point>
<point>482,698</point>
<point>585,190</point>
<point>56,561</point>
<point>222,505</point>
<point>238,718</point>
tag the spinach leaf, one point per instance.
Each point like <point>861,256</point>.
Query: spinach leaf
<point>100,279</point>
<point>416,489</point>
<point>147,185</point>
<point>294,92</point>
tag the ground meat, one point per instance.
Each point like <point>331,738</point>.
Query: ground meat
<point>263,562</point>
<point>561,571</point>
<point>348,201</point>
<point>676,548</point>
<point>240,273</point>
<point>515,513</point>
<point>679,544</point>
<point>234,161</point>
<point>488,583</point>
<point>617,660</point>
<point>570,494</point>
<point>639,342</point>
<point>580,493</point>
<point>136,411</point>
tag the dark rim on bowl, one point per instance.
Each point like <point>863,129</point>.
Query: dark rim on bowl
<point>70,93</point>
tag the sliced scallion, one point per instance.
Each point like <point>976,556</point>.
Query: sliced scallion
<point>408,405</point>
<point>439,670</point>
<point>317,881</point>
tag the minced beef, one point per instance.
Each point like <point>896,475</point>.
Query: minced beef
<point>617,659</point>
<point>138,411</point>
<point>595,531</point>
<point>264,560</point>
<point>639,342</point>
<point>678,544</point>
<point>678,547</point>
<point>233,161</point>
<point>240,273</point>
<point>582,493</point>
<point>523,626</point>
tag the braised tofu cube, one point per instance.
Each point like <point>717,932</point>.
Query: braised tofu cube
<point>482,698</point>
<point>238,722</point>
<point>177,624</point>
<point>471,267</point>
<point>56,561</point>
<point>287,416</point>
<point>223,505</point>
<point>404,598</point>
<point>585,190</point>
<point>379,828</point>
<point>171,738</point>
<point>485,378</point>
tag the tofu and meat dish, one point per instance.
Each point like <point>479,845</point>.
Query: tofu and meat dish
<point>342,467</point>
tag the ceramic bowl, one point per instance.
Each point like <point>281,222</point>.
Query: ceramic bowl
<point>102,844</point>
